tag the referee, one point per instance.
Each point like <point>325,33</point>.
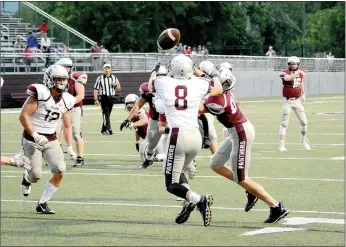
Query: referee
<point>104,90</point>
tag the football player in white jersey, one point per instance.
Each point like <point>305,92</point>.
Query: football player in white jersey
<point>182,93</point>
<point>46,104</point>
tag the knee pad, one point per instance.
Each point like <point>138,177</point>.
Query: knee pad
<point>177,189</point>
<point>283,127</point>
<point>59,168</point>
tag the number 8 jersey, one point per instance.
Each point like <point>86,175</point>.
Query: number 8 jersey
<point>49,111</point>
<point>181,99</point>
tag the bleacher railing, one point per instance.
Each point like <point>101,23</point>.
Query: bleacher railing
<point>144,62</point>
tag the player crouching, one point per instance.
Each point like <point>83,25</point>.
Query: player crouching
<point>46,104</point>
<point>140,123</point>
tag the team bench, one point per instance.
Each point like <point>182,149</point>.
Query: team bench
<point>89,97</point>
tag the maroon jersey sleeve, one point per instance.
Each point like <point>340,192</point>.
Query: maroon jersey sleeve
<point>143,90</point>
<point>215,104</point>
<point>32,91</point>
<point>162,118</point>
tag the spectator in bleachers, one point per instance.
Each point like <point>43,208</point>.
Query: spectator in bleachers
<point>44,27</point>
<point>194,52</point>
<point>32,41</point>
<point>199,49</point>
<point>180,49</point>
<point>271,52</point>
<point>27,56</point>
<point>188,51</point>
<point>18,45</point>
<point>105,55</point>
<point>95,59</point>
<point>205,51</point>
<point>45,47</point>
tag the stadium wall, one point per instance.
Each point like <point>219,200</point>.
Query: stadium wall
<point>249,84</point>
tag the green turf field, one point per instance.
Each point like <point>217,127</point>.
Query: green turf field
<point>111,202</point>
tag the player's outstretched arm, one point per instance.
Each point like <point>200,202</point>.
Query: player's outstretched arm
<point>143,120</point>
<point>163,128</point>
<point>217,88</point>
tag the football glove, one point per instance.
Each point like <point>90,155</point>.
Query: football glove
<point>39,139</point>
<point>157,67</point>
<point>19,160</point>
<point>167,129</point>
<point>126,123</point>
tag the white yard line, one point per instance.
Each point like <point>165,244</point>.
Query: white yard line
<point>160,175</point>
<point>209,156</point>
<point>163,206</point>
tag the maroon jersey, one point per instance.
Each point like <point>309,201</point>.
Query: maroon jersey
<point>71,85</point>
<point>226,109</point>
<point>142,130</point>
<point>148,96</point>
<point>292,89</point>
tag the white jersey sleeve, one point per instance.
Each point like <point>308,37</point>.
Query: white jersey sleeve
<point>181,99</point>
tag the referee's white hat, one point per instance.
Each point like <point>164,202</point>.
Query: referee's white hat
<point>106,65</point>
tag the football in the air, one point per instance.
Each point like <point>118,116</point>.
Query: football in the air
<point>168,39</point>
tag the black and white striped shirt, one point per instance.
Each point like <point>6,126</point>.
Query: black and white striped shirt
<point>104,85</point>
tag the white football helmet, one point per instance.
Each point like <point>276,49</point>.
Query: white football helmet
<point>181,67</point>
<point>292,60</point>
<point>293,63</point>
<point>54,73</point>
<point>67,63</point>
<point>206,66</point>
<point>227,79</point>
<point>162,71</point>
<point>130,101</point>
<point>226,65</point>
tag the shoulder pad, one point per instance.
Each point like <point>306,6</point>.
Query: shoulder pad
<point>215,104</point>
<point>69,100</point>
<point>79,77</point>
<point>143,88</point>
<point>38,91</point>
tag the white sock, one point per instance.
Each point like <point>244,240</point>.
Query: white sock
<point>194,197</point>
<point>48,192</point>
<point>282,143</point>
<point>275,205</point>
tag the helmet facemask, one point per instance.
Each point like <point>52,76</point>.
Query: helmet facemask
<point>129,105</point>
<point>60,84</point>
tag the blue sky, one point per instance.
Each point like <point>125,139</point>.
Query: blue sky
<point>10,6</point>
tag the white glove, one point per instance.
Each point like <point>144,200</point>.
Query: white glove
<point>39,139</point>
<point>19,160</point>
<point>302,97</point>
<point>70,152</point>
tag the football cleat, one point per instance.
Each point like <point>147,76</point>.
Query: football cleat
<point>110,132</point>
<point>146,164</point>
<point>43,208</point>
<point>282,149</point>
<point>251,201</point>
<point>79,162</point>
<point>180,199</point>
<point>71,153</point>
<point>304,141</point>
<point>184,215</point>
<point>277,213</point>
<point>26,186</point>
<point>204,208</point>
